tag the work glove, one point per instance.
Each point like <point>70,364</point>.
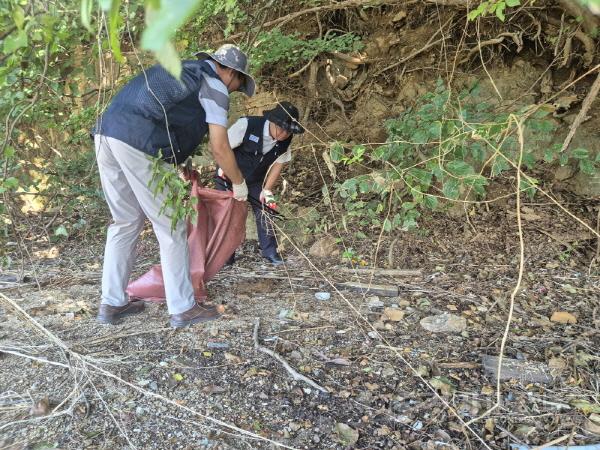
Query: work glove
<point>240,191</point>
<point>267,197</point>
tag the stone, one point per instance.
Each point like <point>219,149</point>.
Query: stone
<point>374,302</point>
<point>347,435</point>
<point>368,288</point>
<point>388,372</point>
<point>564,173</point>
<point>563,317</point>
<point>393,314</point>
<point>444,323</point>
<point>326,246</point>
<point>524,371</point>
<point>592,424</point>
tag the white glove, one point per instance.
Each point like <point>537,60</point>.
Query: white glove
<point>240,191</point>
<point>266,197</point>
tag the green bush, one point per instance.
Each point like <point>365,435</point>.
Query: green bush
<point>274,47</point>
<point>445,147</point>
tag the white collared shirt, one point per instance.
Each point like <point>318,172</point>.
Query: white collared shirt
<point>237,131</point>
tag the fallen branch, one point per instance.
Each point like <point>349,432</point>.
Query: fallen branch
<point>587,102</point>
<point>384,272</point>
<point>368,288</point>
<point>516,37</point>
<point>459,365</point>
<point>295,375</point>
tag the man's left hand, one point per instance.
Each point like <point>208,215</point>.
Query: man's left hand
<point>268,198</point>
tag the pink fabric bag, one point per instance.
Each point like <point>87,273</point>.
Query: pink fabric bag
<point>220,229</point>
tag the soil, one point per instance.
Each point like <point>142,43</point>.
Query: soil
<point>375,382</point>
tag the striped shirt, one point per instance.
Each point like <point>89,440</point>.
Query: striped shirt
<point>236,133</point>
<point>214,98</point>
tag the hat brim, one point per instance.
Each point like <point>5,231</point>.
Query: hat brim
<point>291,126</point>
<point>249,86</point>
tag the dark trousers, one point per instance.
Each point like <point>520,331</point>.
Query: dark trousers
<point>264,225</point>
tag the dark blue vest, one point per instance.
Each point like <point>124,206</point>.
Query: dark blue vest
<point>249,156</point>
<point>169,120</point>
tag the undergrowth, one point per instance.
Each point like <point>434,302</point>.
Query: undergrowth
<point>445,148</point>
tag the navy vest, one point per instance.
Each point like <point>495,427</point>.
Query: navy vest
<point>169,120</point>
<point>249,156</point>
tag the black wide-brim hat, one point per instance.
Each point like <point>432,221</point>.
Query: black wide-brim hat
<point>286,116</point>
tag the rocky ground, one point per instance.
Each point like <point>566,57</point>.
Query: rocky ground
<point>404,369</point>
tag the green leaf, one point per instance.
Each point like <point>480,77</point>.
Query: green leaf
<point>364,187</point>
<point>113,30</point>
<point>500,10</point>
<point>450,189</point>
<point>478,152</point>
<point>419,137</point>
<point>9,184</point>
<point>540,113</point>
<point>585,406</point>
<point>9,152</point>
<point>528,187</point>
<point>61,231</point>
<point>19,17</point>
<point>586,166</point>
<point>499,166</point>
<point>86,13</point>
<point>529,160</point>
<point>459,168</point>
<point>105,4</point>
<point>387,225</point>
<point>177,377</point>
<point>422,176</point>
<point>15,41</point>
<point>473,14</point>
<point>336,152</point>
<point>169,59</point>
<point>358,151</point>
<point>580,153</point>
<point>563,159</point>
<point>162,23</point>
<point>513,3</point>
<point>549,155</point>
<point>431,202</point>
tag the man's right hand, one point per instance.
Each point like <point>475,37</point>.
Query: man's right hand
<point>240,191</point>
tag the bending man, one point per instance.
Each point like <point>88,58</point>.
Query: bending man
<point>261,148</point>
<point>156,115</point>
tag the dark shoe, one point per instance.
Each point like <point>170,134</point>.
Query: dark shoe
<point>195,314</point>
<point>112,314</point>
<point>275,259</point>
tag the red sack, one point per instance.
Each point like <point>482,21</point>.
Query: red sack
<point>220,229</point>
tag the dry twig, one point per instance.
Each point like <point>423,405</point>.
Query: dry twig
<point>582,113</point>
<point>295,375</point>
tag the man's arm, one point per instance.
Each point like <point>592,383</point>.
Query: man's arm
<point>219,146</point>
<point>272,176</point>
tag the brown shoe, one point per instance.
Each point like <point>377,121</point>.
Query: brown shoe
<point>112,314</point>
<point>195,314</point>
